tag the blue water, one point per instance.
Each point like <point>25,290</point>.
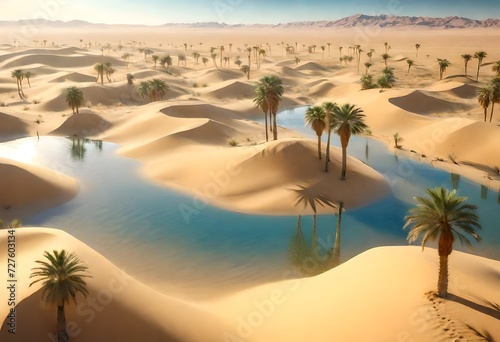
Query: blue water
<point>140,227</point>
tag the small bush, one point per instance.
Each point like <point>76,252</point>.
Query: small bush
<point>2,104</point>
<point>233,143</point>
<point>205,85</point>
<point>26,108</point>
<point>195,85</point>
<point>496,170</point>
<point>397,139</point>
<point>36,101</point>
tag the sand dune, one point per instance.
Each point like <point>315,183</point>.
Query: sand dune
<point>82,125</point>
<point>212,76</point>
<point>423,103</point>
<point>232,90</point>
<point>335,305</point>
<point>12,127</point>
<point>28,189</point>
<point>74,77</point>
<point>119,308</point>
<point>323,89</point>
<point>312,68</point>
<point>59,61</point>
<point>457,89</point>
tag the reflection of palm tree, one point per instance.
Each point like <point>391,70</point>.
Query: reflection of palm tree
<point>455,180</point>
<point>484,192</point>
<point>78,149</point>
<point>299,250</point>
<point>336,247</point>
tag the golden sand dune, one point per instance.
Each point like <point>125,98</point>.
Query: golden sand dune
<point>83,125</point>
<point>73,77</point>
<point>232,90</point>
<point>58,61</point>
<point>323,89</point>
<point>456,89</point>
<point>212,76</point>
<point>118,308</point>
<point>334,305</point>
<point>28,189</point>
<point>11,127</point>
<point>420,102</point>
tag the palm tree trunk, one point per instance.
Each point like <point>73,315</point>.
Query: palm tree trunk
<point>336,247</point>
<point>328,150</point>
<point>485,113</point>
<point>492,108</point>
<point>319,147</point>
<point>265,119</point>
<point>478,67</point>
<point>443,276</point>
<point>315,237</point>
<point>344,161</point>
<point>275,127</point>
<point>62,335</point>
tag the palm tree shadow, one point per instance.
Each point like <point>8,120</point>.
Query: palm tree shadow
<point>490,309</point>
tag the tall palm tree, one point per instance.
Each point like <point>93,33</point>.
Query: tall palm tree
<point>246,70</point>
<point>19,76</point>
<point>158,89</point>
<point>261,102</point>
<point>494,95</point>
<point>483,97</point>
<point>495,68</point>
<point>204,60</point>
<point>63,279</point>
<point>99,68</point>
<point>346,121</point>
<point>417,47</point>
<point>442,215</point>
<point>181,58</point>
<point>166,61</point>
<point>28,75</point>
<point>109,70</point>
<point>385,57</point>
<point>443,65</point>
<point>273,88</point>
<point>329,108</point>
<point>221,53</point>
<point>367,66</point>
<point>467,58</point>
<point>74,98</point>
<point>144,89</point>
<point>410,64</point>
<point>155,59</point>
<point>315,116</point>
<point>480,55</point>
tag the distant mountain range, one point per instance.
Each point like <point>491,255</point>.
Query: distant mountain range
<point>358,20</point>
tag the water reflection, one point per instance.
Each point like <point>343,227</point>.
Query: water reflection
<point>484,192</point>
<point>455,180</point>
<point>78,148</point>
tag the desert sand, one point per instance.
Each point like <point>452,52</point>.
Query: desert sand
<point>379,295</point>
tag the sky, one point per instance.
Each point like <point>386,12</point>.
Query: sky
<point>157,12</point>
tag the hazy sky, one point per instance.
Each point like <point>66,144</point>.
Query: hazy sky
<point>155,12</point>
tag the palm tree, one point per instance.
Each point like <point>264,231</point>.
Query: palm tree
<point>466,57</point>
<point>214,56</point>
<point>144,89</point>
<point>28,75</point>
<point>443,65</point>
<point>385,57</point>
<point>130,79</point>
<point>221,53</point>
<point>155,89</point>
<point>155,59</point>
<point>386,81</point>
<point>340,53</point>
<point>204,61</point>
<point>347,120</point>
<point>495,68</point>
<point>63,278</point>
<point>261,102</point>
<point>367,66</point>
<point>99,68</point>
<point>196,56</point>
<point>386,44</point>
<point>166,61</point>
<point>480,55</point>
<point>494,95</point>
<point>246,70</point>
<point>109,70</point>
<point>74,98</point>
<point>181,58</point>
<point>366,82</point>
<point>483,97</point>
<point>273,89</point>
<point>315,116</point>
<point>328,108</point>
<point>19,76</point>
<point>442,215</point>
<point>410,64</point>
<point>417,46</point>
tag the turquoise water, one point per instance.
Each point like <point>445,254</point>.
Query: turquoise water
<point>139,226</point>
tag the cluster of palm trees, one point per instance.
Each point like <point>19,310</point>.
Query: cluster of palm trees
<point>155,89</point>
<point>74,98</point>
<point>344,120</point>
<point>105,68</point>
<point>385,81</point>
<point>443,65</point>
<point>21,75</point>
<point>490,95</point>
<point>268,95</point>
